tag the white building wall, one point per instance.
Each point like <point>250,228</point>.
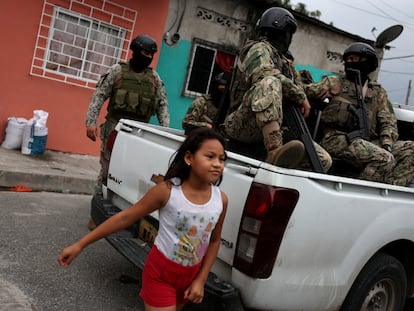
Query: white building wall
<point>230,22</point>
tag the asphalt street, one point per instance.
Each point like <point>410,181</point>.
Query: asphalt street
<point>34,228</point>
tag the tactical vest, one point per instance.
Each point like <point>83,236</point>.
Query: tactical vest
<point>134,96</point>
<point>337,116</point>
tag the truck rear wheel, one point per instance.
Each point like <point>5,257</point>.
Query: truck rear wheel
<point>380,286</point>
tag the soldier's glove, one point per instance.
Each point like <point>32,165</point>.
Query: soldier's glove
<point>387,147</point>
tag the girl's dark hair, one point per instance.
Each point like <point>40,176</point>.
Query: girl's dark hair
<point>177,166</point>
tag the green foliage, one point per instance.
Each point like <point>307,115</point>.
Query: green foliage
<point>299,7</point>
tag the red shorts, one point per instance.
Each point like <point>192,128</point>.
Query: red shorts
<point>164,281</point>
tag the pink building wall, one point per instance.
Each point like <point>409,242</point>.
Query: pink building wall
<point>65,101</point>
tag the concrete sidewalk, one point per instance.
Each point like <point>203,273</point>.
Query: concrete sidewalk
<point>53,171</point>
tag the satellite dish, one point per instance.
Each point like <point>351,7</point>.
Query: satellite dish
<point>388,35</point>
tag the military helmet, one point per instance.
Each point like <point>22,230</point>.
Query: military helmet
<point>277,19</point>
<point>144,42</point>
<point>363,49</point>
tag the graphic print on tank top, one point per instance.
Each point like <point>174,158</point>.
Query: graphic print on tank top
<point>193,232</point>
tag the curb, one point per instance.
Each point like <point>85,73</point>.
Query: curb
<point>48,182</point>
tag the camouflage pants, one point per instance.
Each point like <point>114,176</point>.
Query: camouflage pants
<point>105,129</point>
<point>323,155</point>
<point>403,171</point>
<point>261,104</point>
<point>396,168</point>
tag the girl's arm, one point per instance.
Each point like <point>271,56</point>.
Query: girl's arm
<point>153,200</point>
<point>195,292</point>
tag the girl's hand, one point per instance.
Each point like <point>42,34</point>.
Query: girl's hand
<point>68,254</point>
<point>195,292</point>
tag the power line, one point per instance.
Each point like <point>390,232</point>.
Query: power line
<point>386,14</point>
<point>398,57</point>
<point>398,72</point>
<point>358,9</point>
<point>396,9</point>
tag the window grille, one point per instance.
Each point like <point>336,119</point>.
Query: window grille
<point>203,68</point>
<point>82,47</point>
<point>79,40</point>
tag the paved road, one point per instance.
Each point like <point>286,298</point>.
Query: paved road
<point>34,227</point>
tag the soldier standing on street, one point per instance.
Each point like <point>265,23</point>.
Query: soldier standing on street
<point>381,157</point>
<point>263,78</point>
<point>135,91</point>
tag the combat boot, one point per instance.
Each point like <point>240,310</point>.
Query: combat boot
<point>288,155</point>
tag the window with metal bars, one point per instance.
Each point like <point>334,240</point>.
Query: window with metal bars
<point>207,60</point>
<point>82,47</point>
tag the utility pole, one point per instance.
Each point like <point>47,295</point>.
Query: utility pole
<point>408,93</point>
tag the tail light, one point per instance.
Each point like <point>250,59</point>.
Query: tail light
<point>107,155</point>
<point>265,218</point>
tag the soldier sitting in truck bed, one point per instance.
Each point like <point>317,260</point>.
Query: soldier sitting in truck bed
<point>381,156</point>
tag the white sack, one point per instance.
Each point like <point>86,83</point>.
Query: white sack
<point>14,133</point>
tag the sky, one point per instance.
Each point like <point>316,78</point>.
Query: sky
<point>367,19</point>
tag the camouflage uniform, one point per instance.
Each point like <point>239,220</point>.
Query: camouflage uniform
<point>262,79</point>
<point>377,164</point>
<point>201,113</point>
<point>105,87</point>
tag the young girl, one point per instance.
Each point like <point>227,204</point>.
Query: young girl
<point>191,214</point>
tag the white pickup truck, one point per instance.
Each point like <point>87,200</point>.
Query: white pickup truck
<point>292,239</point>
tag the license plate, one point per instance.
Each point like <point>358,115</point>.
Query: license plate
<point>147,232</point>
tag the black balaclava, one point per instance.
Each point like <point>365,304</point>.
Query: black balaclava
<point>139,61</point>
<point>280,40</point>
<point>364,67</point>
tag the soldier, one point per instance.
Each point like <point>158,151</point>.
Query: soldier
<point>203,110</point>
<point>263,78</point>
<point>382,158</point>
<point>135,91</point>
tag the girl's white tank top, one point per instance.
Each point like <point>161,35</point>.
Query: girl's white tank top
<point>185,228</point>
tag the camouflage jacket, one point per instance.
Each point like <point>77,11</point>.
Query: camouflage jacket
<point>105,89</point>
<point>201,112</point>
<point>259,59</point>
<point>382,122</point>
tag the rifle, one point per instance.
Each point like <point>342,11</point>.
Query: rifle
<point>298,127</point>
<point>360,113</point>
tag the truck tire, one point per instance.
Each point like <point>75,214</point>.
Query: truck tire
<point>381,285</point>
